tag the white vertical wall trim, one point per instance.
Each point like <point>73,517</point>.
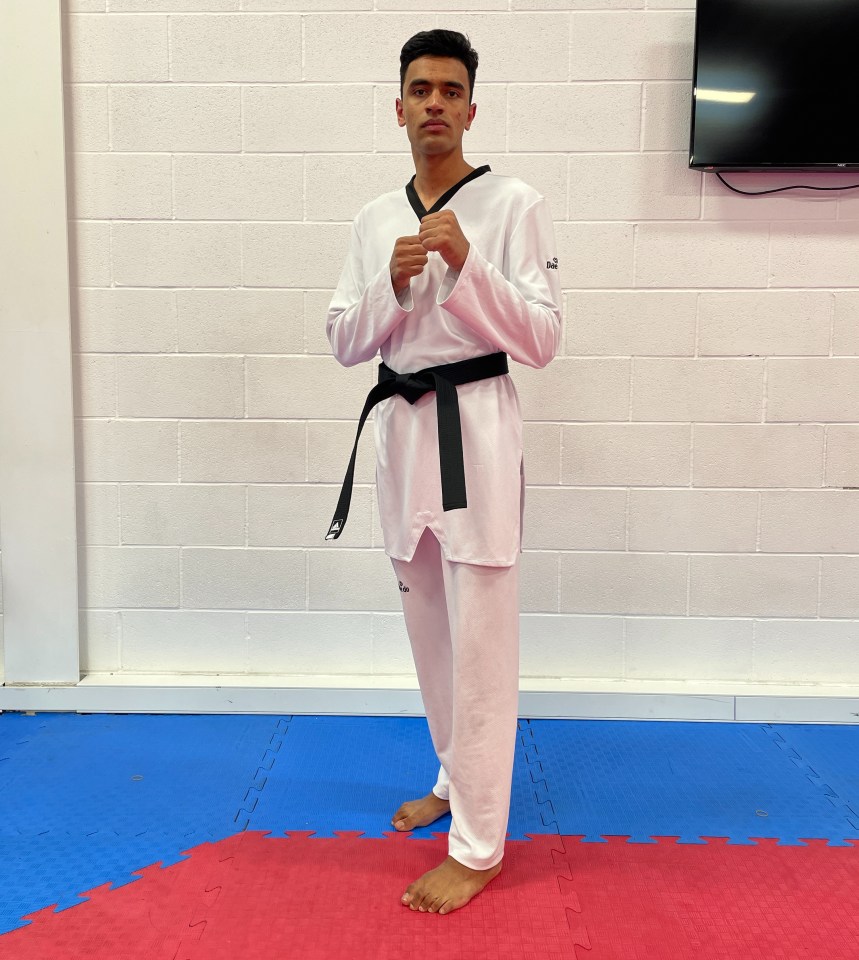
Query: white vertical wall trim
<point>37,479</point>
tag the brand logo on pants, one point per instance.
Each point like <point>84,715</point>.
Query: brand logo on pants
<point>403,588</point>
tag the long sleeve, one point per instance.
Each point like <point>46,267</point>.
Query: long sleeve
<point>519,312</point>
<point>362,315</point>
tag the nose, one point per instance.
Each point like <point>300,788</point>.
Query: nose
<point>435,101</point>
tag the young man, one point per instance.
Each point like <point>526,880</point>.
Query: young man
<point>445,278</point>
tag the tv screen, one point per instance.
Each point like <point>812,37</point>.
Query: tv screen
<point>775,85</point>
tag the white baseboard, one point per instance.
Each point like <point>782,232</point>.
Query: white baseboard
<point>399,696</point>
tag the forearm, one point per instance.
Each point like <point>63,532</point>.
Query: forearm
<point>526,325</point>
<point>358,324</point>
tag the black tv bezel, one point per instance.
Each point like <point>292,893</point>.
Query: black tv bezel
<point>740,167</point>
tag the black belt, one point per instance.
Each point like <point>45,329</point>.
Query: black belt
<point>444,380</point>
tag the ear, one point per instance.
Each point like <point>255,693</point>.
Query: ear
<point>401,119</point>
<point>472,112</point>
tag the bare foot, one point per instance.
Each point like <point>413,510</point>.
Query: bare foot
<point>448,887</point>
<point>420,813</point>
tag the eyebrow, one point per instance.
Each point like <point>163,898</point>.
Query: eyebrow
<point>445,83</point>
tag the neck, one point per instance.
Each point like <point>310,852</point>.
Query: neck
<point>435,174</point>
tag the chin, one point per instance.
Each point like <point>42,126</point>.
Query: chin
<point>436,144</point>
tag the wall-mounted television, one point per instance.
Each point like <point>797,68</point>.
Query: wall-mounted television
<point>775,85</point>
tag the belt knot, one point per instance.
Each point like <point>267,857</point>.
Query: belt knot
<point>411,386</point>
<point>442,379</point>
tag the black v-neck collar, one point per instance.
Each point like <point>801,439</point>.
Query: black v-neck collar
<point>417,203</point>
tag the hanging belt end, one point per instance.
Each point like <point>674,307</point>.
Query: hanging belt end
<point>335,529</point>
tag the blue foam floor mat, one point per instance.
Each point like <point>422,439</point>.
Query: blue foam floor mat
<point>87,799</point>
<point>682,779</point>
<point>90,773</point>
<point>829,757</point>
<point>352,773</point>
<point>74,813</point>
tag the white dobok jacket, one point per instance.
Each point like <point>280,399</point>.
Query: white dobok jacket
<point>506,298</point>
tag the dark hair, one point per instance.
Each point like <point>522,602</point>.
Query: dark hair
<point>439,43</point>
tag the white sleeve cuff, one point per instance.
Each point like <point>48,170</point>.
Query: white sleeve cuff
<point>404,298</point>
<point>452,277</point>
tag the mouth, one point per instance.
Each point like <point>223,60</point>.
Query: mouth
<point>434,125</point>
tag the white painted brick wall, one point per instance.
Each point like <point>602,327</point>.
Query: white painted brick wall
<point>175,118</point>
<point>215,49</point>
<point>692,456</point>
<point>239,578</point>
<point>634,45</point>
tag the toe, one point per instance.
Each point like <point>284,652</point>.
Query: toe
<point>452,903</point>
<point>402,819</point>
<point>421,900</point>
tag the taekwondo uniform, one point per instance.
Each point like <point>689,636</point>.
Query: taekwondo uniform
<point>458,568</point>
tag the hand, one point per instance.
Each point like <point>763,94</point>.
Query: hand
<point>441,231</point>
<point>408,260</point>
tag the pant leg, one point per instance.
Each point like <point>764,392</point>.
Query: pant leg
<point>422,591</point>
<point>463,626</point>
<point>483,611</point>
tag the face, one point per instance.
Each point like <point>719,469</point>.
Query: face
<point>434,109</point>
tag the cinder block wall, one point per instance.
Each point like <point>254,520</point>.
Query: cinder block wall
<point>692,455</point>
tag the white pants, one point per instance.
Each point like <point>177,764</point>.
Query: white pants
<point>463,625</point>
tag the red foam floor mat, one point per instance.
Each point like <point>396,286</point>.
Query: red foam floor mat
<point>259,897</point>
<point>716,900</point>
<point>252,896</point>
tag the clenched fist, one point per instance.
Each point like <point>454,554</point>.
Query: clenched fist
<point>408,260</point>
<point>441,231</point>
